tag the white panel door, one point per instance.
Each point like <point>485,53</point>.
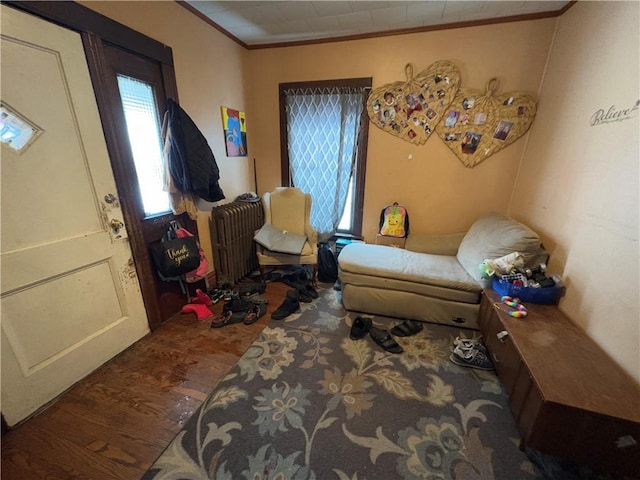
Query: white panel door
<point>70,298</point>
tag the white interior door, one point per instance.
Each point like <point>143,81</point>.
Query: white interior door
<point>70,298</point>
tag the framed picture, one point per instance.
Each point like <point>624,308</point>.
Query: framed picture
<point>234,125</point>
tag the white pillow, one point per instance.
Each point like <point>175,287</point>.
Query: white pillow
<point>494,236</point>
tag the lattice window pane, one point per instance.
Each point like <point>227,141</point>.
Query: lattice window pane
<point>322,133</point>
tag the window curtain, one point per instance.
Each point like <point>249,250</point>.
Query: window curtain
<point>322,133</point>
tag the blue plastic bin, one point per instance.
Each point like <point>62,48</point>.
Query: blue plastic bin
<point>548,295</point>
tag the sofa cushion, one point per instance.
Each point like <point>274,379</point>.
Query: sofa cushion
<point>493,236</point>
<point>440,276</point>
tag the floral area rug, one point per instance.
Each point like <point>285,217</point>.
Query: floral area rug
<point>307,402</point>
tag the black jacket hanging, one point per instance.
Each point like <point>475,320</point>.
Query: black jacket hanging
<point>192,165</point>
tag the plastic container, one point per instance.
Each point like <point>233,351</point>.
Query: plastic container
<point>547,295</point>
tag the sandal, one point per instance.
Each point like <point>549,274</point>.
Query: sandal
<point>407,328</point>
<point>386,341</point>
<point>359,328</point>
<point>227,318</point>
<point>254,313</point>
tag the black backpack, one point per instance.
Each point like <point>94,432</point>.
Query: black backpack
<point>327,264</point>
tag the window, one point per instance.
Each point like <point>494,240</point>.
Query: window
<point>324,130</point>
<point>141,116</point>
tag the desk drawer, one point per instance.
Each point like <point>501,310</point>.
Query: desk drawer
<point>503,354</point>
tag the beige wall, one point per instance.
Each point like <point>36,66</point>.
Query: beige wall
<point>209,71</point>
<point>441,194</point>
<point>578,184</point>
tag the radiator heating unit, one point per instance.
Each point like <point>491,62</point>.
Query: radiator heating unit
<point>233,226</point>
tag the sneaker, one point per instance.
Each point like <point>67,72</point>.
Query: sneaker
<point>215,295</point>
<point>469,343</point>
<point>473,358</point>
<point>236,304</point>
<point>252,288</point>
<point>257,299</point>
<point>227,295</point>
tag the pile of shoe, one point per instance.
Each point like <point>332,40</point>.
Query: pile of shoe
<point>300,279</point>
<point>470,352</point>
<point>245,305</point>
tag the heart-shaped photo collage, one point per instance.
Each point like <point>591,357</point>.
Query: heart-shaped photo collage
<point>412,109</point>
<point>478,124</point>
<point>472,123</point>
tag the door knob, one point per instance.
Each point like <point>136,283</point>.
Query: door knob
<point>116,225</point>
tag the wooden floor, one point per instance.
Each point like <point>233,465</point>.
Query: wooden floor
<point>115,422</point>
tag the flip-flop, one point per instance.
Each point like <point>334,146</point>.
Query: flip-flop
<point>407,328</point>
<point>386,341</point>
<point>227,318</point>
<point>359,328</point>
<point>254,313</point>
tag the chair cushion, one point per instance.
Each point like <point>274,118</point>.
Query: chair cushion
<point>277,240</point>
<point>494,236</point>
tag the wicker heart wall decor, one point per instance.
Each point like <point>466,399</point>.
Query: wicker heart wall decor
<point>412,109</point>
<point>477,124</point>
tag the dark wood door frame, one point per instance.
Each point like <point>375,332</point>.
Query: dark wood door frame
<point>97,32</point>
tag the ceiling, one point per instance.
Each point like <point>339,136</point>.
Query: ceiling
<point>256,24</point>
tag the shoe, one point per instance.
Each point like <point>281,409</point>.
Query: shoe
<point>252,288</point>
<point>289,306</point>
<point>407,328</point>
<point>236,304</point>
<point>255,313</point>
<point>227,318</point>
<point>300,295</point>
<point>469,343</point>
<point>359,328</point>
<point>473,358</point>
<point>215,295</point>
<point>386,341</point>
<point>306,293</point>
<point>257,298</point>
<point>308,290</point>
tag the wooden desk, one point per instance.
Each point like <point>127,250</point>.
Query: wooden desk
<point>569,398</point>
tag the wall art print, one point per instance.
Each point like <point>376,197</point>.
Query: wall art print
<point>477,125</point>
<point>234,124</point>
<point>412,109</point>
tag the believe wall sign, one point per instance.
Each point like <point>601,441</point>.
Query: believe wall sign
<point>600,117</point>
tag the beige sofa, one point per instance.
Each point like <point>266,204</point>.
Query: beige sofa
<point>435,278</point>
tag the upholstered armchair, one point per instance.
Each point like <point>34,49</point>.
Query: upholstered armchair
<point>289,209</point>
